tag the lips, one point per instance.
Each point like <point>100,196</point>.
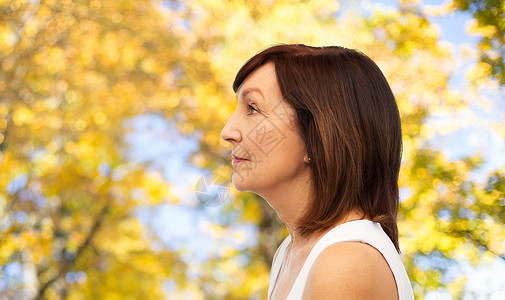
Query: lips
<point>237,157</point>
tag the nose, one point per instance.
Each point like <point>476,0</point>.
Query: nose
<point>230,132</point>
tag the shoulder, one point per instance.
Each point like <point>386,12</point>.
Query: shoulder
<point>350,270</point>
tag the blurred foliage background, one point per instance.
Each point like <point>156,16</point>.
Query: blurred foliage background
<point>80,186</point>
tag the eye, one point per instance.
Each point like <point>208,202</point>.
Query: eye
<point>249,108</point>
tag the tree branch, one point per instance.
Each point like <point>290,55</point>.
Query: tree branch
<point>479,243</point>
<point>67,263</point>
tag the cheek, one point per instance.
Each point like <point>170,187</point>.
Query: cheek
<point>266,138</point>
<point>287,154</point>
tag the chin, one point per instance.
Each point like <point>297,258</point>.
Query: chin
<point>241,187</point>
<point>239,183</point>
<point>242,183</point>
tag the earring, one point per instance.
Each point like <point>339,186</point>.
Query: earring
<point>307,160</point>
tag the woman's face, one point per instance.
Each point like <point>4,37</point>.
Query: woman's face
<point>262,130</point>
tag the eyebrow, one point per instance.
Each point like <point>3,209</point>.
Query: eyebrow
<point>250,90</point>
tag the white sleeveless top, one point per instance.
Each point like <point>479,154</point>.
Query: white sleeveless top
<point>364,231</point>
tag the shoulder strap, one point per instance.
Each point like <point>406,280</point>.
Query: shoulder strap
<point>364,231</point>
<point>276,264</point>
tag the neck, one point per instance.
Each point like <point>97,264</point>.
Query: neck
<point>290,207</point>
<point>289,199</point>
<point>299,241</point>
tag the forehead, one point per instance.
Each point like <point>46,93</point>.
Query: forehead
<point>262,81</point>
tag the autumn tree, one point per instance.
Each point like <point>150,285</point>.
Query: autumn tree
<point>71,74</point>
<point>489,25</point>
<point>74,74</point>
<point>445,214</point>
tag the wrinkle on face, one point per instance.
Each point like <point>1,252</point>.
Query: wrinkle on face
<point>267,138</point>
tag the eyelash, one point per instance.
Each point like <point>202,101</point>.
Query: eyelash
<point>250,107</point>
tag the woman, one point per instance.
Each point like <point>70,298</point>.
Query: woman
<point>317,134</point>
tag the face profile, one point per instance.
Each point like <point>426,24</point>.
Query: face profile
<point>334,106</point>
<point>262,132</point>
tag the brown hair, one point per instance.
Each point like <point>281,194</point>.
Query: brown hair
<point>350,123</point>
